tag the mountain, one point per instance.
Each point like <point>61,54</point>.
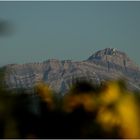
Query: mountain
<point>109,63</point>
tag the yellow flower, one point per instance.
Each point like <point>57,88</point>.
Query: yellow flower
<point>128,111</point>
<point>108,119</point>
<point>124,112</point>
<point>111,94</point>
<point>45,93</point>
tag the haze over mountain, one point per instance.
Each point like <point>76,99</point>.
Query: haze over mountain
<point>106,64</point>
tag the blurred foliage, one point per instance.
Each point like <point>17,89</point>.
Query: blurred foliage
<point>6,28</point>
<point>85,111</point>
<point>2,75</point>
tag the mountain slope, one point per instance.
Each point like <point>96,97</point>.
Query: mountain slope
<point>102,65</point>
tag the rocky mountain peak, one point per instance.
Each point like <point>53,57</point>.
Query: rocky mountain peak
<point>110,52</point>
<point>107,51</point>
<point>113,56</point>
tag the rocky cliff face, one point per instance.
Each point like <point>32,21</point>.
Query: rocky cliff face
<point>113,58</point>
<point>102,65</point>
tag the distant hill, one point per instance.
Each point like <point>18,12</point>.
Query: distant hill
<point>106,64</point>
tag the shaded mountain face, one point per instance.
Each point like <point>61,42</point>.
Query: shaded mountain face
<point>103,65</point>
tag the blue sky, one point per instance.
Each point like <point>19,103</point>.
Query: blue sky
<point>68,30</point>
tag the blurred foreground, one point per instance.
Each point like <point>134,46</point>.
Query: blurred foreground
<point>86,111</point>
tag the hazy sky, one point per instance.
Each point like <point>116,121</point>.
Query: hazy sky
<point>68,30</point>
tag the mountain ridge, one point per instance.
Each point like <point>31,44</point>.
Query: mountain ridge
<point>105,64</point>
